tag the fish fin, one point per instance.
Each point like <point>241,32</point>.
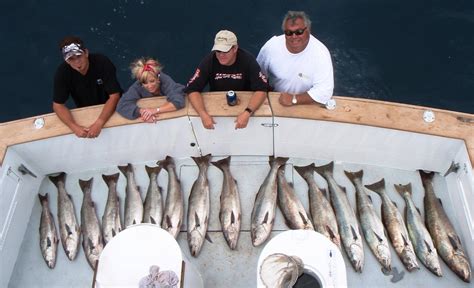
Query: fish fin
<point>124,169</point>
<point>395,203</point>
<point>378,237</point>
<point>324,191</point>
<point>405,241</point>
<point>440,202</point>
<point>232,218</point>
<point>354,175</point>
<point>43,197</point>
<point>208,238</point>
<point>370,199</point>
<point>111,178</point>
<point>91,245</point>
<point>152,170</point>
<point>222,164</point>
<point>68,229</point>
<point>113,232</point>
<point>354,233</point>
<point>454,241</point>
<point>48,242</point>
<point>430,249</point>
<point>85,184</point>
<point>61,177</point>
<point>331,233</point>
<point>327,168</point>
<point>378,187</point>
<point>305,220</point>
<point>343,189</point>
<point>403,188</point>
<point>196,218</point>
<point>305,170</point>
<point>152,220</point>
<point>168,221</point>
<point>265,219</point>
<point>418,209</point>
<point>134,221</point>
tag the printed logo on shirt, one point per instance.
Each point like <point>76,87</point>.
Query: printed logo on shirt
<point>263,77</point>
<point>236,76</point>
<point>195,76</point>
<point>99,81</point>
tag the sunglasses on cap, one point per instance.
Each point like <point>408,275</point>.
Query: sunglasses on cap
<point>297,32</point>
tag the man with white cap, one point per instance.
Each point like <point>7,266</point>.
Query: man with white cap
<point>297,64</point>
<point>227,67</point>
<point>90,79</point>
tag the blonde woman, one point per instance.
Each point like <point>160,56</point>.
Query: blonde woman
<point>150,82</point>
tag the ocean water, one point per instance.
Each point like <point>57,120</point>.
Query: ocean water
<point>417,52</point>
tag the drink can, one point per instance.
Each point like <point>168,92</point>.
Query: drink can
<point>231,98</point>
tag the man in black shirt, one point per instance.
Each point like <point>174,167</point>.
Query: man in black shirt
<point>90,79</point>
<point>227,67</point>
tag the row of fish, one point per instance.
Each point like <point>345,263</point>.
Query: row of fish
<point>93,236</point>
<point>330,214</point>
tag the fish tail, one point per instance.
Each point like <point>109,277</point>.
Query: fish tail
<point>328,168</point>
<point>426,176</point>
<point>354,175</point>
<point>43,198</point>
<point>110,178</point>
<point>402,189</point>
<point>152,170</point>
<point>85,184</point>
<point>280,160</point>
<point>303,170</point>
<point>221,164</point>
<point>61,177</point>
<point>125,169</point>
<point>378,187</point>
<point>165,162</point>
<point>203,160</point>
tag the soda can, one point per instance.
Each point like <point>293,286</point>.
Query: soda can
<point>231,98</point>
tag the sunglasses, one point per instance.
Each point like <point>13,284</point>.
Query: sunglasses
<point>295,32</point>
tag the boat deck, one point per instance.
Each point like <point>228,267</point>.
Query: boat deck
<point>218,265</point>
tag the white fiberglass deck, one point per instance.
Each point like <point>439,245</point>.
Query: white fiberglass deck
<point>218,265</point>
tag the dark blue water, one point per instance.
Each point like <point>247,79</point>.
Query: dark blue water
<point>417,52</point>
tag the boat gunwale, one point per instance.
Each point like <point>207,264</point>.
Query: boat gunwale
<point>362,111</point>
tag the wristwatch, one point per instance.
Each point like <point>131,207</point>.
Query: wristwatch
<point>249,110</point>
<point>294,100</point>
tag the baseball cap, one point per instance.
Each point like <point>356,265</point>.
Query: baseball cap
<point>72,49</point>
<point>224,40</point>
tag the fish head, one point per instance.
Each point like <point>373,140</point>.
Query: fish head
<point>432,262</point>
<point>462,267</point>
<point>408,258</point>
<point>383,253</point>
<point>357,257</point>
<point>195,241</point>
<point>259,234</point>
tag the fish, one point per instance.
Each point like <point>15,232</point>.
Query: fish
<point>199,207</point>
<point>230,213</point>
<point>153,207</point>
<point>92,242</point>
<point>291,207</point>
<point>322,214</point>
<point>174,205</point>
<point>346,219</point>
<point>69,229</point>
<point>133,198</point>
<point>419,235</point>
<point>263,212</point>
<point>111,223</point>
<point>395,226</point>
<point>48,233</point>
<point>372,226</point>
<point>444,236</point>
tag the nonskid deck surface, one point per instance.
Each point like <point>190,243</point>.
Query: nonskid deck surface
<point>218,265</point>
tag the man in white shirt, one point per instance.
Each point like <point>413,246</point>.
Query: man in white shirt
<point>297,64</point>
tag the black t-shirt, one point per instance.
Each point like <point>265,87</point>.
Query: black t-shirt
<point>86,90</point>
<point>243,75</point>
